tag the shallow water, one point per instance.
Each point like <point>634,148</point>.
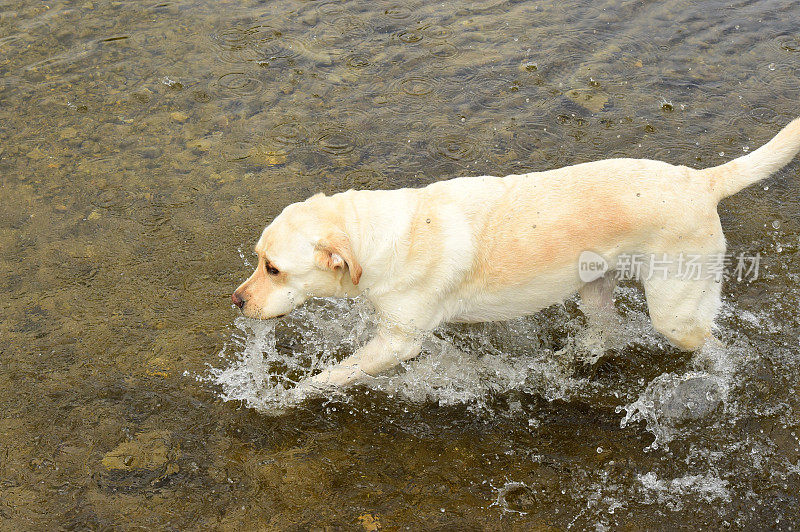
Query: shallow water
<point>143,147</point>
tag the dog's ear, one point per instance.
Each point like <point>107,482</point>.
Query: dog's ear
<point>335,252</point>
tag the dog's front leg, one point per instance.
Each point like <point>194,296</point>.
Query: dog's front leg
<point>390,346</point>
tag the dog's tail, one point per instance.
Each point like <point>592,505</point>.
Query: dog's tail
<point>728,179</point>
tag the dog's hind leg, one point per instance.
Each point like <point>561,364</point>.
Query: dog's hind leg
<point>683,300</point>
<point>683,310</point>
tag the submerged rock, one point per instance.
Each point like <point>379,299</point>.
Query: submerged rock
<point>369,522</point>
<point>691,399</point>
<point>671,403</point>
<point>179,116</point>
<point>593,100</point>
<point>149,450</point>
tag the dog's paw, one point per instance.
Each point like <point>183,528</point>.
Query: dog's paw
<point>338,376</point>
<point>308,389</point>
<point>327,383</point>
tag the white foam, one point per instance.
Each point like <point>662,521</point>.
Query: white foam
<point>706,487</point>
<point>448,375</point>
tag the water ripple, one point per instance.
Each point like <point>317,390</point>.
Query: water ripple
<point>492,91</point>
<point>436,32</point>
<point>417,86</point>
<point>353,26</point>
<point>456,147</point>
<point>289,132</point>
<point>361,179</point>
<point>240,55</point>
<point>442,50</point>
<point>331,9</point>
<point>530,137</point>
<point>409,36</point>
<point>764,115</point>
<point>10,41</point>
<point>789,44</point>
<point>235,150</point>
<point>259,33</point>
<point>337,140</point>
<point>397,12</point>
<point>238,45</point>
<point>675,152</point>
<point>240,83</point>
<point>270,52</point>
<point>357,61</point>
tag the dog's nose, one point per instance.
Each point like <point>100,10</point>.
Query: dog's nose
<point>237,300</point>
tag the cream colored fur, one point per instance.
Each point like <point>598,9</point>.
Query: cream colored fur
<point>492,248</point>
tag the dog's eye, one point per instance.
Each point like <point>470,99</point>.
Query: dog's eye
<point>272,270</point>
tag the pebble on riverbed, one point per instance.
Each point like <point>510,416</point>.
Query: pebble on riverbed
<point>369,522</point>
<point>148,450</point>
<point>179,116</point>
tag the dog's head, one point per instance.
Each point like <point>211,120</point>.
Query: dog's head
<point>303,253</point>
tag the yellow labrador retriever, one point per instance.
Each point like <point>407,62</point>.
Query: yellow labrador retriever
<point>492,248</point>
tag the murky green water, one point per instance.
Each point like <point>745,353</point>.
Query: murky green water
<point>143,146</point>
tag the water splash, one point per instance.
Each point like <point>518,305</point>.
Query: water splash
<point>671,401</point>
<point>466,365</point>
<point>264,360</point>
<point>447,375</point>
<point>708,488</point>
<point>505,493</point>
<point>542,355</point>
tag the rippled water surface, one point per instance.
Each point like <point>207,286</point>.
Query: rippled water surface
<point>143,145</point>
